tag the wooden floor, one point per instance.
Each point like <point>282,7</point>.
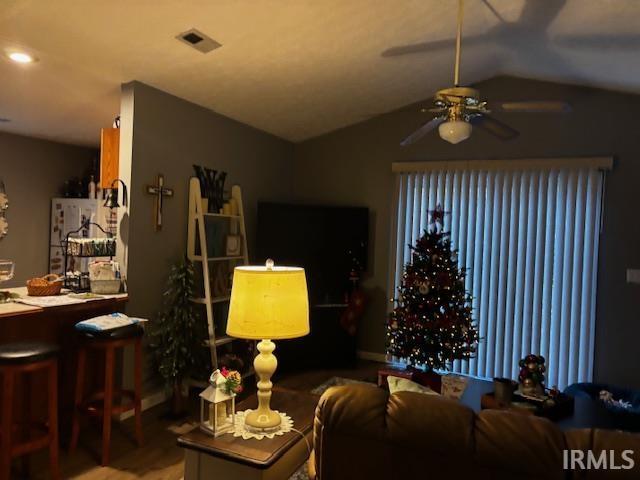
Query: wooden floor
<point>160,458</point>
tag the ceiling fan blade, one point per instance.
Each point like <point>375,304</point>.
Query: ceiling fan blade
<point>602,42</point>
<point>409,109</point>
<point>418,47</point>
<point>494,11</point>
<point>495,127</point>
<point>535,106</point>
<point>422,131</point>
<point>423,47</point>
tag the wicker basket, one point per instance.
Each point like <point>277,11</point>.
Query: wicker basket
<point>44,287</point>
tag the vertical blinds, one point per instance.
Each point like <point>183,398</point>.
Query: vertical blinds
<point>529,239</point>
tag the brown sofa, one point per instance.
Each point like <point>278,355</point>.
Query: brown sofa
<point>362,432</point>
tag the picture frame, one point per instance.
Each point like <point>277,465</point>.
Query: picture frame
<point>234,245</point>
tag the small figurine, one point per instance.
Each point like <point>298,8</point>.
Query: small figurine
<point>531,375</point>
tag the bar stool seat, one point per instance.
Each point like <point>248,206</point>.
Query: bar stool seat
<point>101,403</point>
<point>128,332</point>
<point>26,352</point>
<point>21,359</point>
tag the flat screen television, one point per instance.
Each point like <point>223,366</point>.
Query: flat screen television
<point>328,241</point>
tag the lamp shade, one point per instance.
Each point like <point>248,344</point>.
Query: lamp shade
<point>268,303</point>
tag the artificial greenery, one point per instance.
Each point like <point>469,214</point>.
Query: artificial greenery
<point>176,337</point>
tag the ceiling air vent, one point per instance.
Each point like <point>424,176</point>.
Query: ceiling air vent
<point>198,40</point>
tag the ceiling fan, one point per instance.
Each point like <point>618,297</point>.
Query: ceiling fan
<point>458,109</point>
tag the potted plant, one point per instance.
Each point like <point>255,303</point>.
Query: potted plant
<point>176,336</point>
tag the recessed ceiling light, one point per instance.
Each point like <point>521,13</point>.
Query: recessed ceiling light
<point>21,57</point>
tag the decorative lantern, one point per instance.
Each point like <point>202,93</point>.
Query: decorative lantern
<point>217,407</point>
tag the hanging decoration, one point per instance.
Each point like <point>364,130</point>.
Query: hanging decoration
<point>212,187</point>
<point>4,204</point>
<point>160,192</point>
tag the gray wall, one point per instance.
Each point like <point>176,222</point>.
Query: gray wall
<point>169,136</point>
<point>34,171</point>
<point>352,166</point>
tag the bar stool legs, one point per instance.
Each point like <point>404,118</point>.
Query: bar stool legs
<point>138,391</point>
<point>53,421</point>
<point>108,409</point>
<point>26,406</point>
<point>108,404</point>
<point>7,420</point>
<point>77,403</point>
<point>10,447</point>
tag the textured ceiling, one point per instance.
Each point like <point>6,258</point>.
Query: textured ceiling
<point>295,68</point>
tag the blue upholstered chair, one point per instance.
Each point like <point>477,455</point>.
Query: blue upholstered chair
<point>625,418</point>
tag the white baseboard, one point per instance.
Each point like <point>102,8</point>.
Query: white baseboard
<point>150,401</point>
<point>372,356</point>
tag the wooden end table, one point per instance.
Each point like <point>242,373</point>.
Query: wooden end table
<point>229,457</point>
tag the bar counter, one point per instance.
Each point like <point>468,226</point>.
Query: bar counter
<point>53,324</point>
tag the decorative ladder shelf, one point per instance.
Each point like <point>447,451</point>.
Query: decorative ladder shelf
<point>197,233</point>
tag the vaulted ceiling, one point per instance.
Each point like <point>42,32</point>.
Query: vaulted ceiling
<point>294,68</point>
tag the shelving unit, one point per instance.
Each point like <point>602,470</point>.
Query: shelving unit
<point>76,284</point>
<point>197,237</point>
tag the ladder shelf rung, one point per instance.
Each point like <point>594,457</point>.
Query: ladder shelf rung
<point>199,258</point>
<point>203,301</point>
<point>223,340</point>
<point>220,215</point>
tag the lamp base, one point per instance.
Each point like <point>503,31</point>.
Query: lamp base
<point>265,364</point>
<point>263,420</point>
<point>262,429</point>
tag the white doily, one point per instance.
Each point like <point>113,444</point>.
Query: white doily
<point>240,430</point>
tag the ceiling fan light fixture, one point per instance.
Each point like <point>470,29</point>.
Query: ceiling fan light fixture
<point>455,131</point>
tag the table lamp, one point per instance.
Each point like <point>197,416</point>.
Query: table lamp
<point>267,303</point>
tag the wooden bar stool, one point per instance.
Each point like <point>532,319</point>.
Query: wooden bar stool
<point>101,403</point>
<point>24,359</point>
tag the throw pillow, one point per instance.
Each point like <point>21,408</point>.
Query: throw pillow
<point>453,386</point>
<point>397,384</point>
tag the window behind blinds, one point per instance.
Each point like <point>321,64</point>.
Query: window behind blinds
<point>529,239</point>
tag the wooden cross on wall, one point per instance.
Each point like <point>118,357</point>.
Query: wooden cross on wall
<point>160,191</point>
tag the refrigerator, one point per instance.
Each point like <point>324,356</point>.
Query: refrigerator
<point>67,215</point>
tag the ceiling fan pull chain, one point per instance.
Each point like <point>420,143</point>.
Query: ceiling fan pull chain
<point>456,72</point>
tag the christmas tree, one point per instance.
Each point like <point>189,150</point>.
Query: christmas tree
<point>431,325</point>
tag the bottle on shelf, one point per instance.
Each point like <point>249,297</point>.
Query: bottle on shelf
<point>92,188</point>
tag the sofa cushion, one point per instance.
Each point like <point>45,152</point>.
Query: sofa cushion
<point>350,423</point>
<point>534,444</point>
<point>430,422</point>
<point>615,443</point>
<point>353,408</point>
